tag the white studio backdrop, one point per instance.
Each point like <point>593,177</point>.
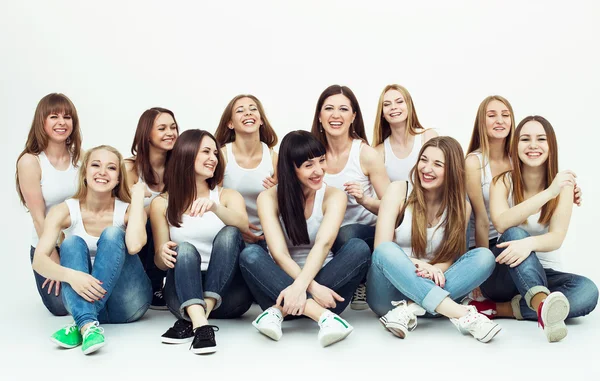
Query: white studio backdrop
<point>117,58</point>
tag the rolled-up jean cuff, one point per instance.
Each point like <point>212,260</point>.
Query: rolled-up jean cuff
<point>433,299</point>
<point>215,296</point>
<point>532,292</point>
<point>188,303</point>
<point>515,303</point>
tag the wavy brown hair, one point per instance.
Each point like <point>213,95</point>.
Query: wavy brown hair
<point>225,135</point>
<point>382,129</point>
<point>120,191</point>
<point>453,201</point>
<point>37,140</point>
<point>357,129</point>
<point>180,175</point>
<point>479,139</point>
<point>514,177</point>
<point>140,147</point>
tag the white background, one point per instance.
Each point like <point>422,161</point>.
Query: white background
<point>115,59</point>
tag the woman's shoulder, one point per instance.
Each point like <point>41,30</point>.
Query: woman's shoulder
<point>28,161</point>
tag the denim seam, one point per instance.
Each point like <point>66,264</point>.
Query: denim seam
<point>534,291</point>
<point>354,273</point>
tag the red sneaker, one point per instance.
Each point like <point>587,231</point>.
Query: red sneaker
<point>485,307</point>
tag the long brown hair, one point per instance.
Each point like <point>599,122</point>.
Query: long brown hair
<point>120,191</point>
<point>382,128</point>
<point>140,147</point>
<point>514,178</point>
<point>453,201</point>
<point>180,175</point>
<point>225,135</point>
<point>479,139</point>
<point>37,140</point>
<point>357,129</point>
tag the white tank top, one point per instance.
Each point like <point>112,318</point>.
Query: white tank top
<point>399,169</point>
<point>300,253</point>
<point>78,229</point>
<point>248,181</point>
<point>435,236</point>
<point>355,213</point>
<point>57,186</point>
<point>486,180</point>
<point>199,231</point>
<point>148,200</point>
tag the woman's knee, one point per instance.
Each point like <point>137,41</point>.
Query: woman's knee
<point>72,244</point>
<point>251,255</point>
<point>513,234</point>
<point>485,260</point>
<point>388,251</point>
<point>229,235</point>
<point>186,254</point>
<point>113,233</point>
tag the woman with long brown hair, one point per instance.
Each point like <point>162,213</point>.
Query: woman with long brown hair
<point>155,136</point>
<point>419,263</point>
<point>398,135</point>
<point>196,226</point>
<point>47,175</point>
<point>531,207</point>
<point>247,138</point>
<point>104,228</point>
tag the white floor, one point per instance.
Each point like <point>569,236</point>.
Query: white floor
<point>434,350</point>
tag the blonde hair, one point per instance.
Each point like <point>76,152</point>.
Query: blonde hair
<point>382,129</point>
<point>121,191</point>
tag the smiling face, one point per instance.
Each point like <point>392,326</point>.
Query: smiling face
<point>394,108</point>
<point>207,158</point>
<point>311,172</point>
<point>102,171</point>
<point>497,120</point>
<point>533,145</point>
<point>58,126</point>
<point>431,168</point>
<point>245,116</point>
<point>164,132</point>
<point>336,115</point>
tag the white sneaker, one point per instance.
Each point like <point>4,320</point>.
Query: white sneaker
<point>552,314</point>
<point>333,328</point>
<point>269,323</point>
<point>402,319</point>
<point>478,325</point>
<point>359,299</point>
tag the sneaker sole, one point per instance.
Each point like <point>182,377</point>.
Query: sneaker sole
<point>159,308</point>
<point>63,345</point>
<point>332,339</point>
<point>94,348</point>
<point>553,315</point>
<point>168,340</point>
<point>359,307</point>
<point>203,351</point>
<point>270,333</point>
<point>490,335</point>
<point>396,329</point>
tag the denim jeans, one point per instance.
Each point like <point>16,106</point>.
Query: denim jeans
<point>53,303</point>
<point>186,285</point>
<point>346,233</point>
<point>342,274</point>
<point>530,278</point>
<point>146,255</point>
<point>393,278</point>
<point>128,291</point>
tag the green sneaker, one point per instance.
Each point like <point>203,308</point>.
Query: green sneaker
<point>93,339</point>
<point>67,337</point>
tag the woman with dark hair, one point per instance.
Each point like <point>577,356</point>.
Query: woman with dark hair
<point>194,244</point>
<point>531,208</point>
<point>301,217</point>
<point>104,228</point>
<point>155,136</point>
<point>248,139</point>
<point>418,264</point>
<point>352,166</point>
<point>47,175</point>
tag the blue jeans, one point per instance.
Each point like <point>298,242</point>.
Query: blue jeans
<point>342,274</point>
<point>186,285</point>
<point>128,291</point>
<point>346,233</point>
<point>146,255</point>
<point>53,303</point>
<point>530,278</point>
<point>393,278</point>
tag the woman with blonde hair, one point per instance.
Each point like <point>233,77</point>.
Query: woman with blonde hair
<point>47,175</point>
<point>396,132</point>
<point>104,228</point>
<point>420,263</point>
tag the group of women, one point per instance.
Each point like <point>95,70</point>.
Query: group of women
<point>205,225</point>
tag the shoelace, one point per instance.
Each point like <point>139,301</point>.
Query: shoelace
<point>95,327</point>
<point>70,327</point>
<point>182,324</point>
<point>158,294</point>
<point>206,332</point>
<point>405,313</point>
<point>360,293</point>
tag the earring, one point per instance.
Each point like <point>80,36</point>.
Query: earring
<point>320,126</point>
<point>68,141</point>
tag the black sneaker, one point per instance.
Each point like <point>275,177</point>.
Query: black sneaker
<point>158,301</point>
<point>181,332</point>
<point>204,340</point>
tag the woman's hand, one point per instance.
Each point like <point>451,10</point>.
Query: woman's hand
<point>269,182</point>
<point>250,237</point>
<point>577,195</point>
<point>355,190</point>
<point>515,252</point>
<point>88,287</point>
<point>293,298</point>
<point>325,296</point>
<point>562,179</point>
<point>167,254</point>
<point>425,270</point>
<point>201,206</point>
